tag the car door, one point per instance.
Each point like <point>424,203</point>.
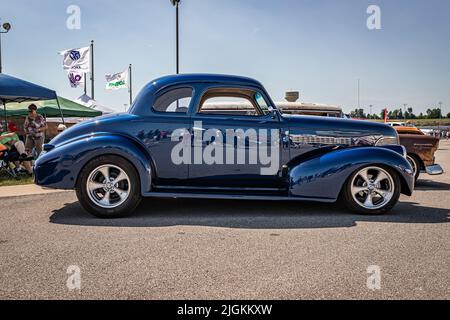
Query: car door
<point>169,116</point>
<point>235,143</point>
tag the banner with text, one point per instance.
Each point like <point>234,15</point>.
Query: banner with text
<point>77,59</point>
<point>117,81</point>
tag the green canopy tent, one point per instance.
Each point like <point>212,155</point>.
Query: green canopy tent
<point>50,109</point>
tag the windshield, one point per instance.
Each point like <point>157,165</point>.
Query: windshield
<point>262,103</point>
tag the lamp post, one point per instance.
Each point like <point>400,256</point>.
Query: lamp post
<point>440,114</point>
<point>4,29</point>
<point>359,93</point>
<point>176,3</point>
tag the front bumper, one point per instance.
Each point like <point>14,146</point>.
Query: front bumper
<point>434,170</point>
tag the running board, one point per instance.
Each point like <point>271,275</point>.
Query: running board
<point>184,195</point>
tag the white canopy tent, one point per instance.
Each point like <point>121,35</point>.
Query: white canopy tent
<point>89,102</point>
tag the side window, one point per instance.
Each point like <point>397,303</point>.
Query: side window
<point>228,106</point>
<point>174,101</point>
<point>233,102</point>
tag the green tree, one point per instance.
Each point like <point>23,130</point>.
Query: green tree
<point>434,113</point>
<point>409,113</point>
<point>391,115</point>
<point>358,113</point>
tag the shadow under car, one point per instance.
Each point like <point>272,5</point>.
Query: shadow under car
<point>241,214</point>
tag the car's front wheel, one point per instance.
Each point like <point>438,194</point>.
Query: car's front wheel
<point>372,190</point>
<point>109,187</point>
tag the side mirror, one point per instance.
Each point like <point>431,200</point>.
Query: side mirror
<point>273,112</point>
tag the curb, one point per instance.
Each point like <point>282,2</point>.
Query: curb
<point>26,190</point>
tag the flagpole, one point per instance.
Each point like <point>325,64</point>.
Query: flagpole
<point>130,86</point>
<point>85,84</point>
<point>178,39</point>
<point>92,70</point>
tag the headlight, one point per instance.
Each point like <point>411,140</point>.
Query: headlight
<point>388,141</point>
<point>46,149</point>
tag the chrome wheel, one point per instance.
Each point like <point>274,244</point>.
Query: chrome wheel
<point>372,188</point>
<point>108,186</point>
<point>413,164</point>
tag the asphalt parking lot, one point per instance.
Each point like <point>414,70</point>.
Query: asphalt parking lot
<point>205,249</point>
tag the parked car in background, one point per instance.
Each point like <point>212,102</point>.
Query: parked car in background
<point>292,105</point>
<point>310,109</point>
<point>421,150</point>
<point>174,143</point>
<point>410,130</point>
<point>398,124</point>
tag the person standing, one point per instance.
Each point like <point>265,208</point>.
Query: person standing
<point>34,127</point>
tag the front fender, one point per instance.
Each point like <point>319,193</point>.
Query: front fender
<point>60,167</point>
<point>324,176</point>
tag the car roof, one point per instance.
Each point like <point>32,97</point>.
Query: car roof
<point>147,94</point>
<point>204,77</point>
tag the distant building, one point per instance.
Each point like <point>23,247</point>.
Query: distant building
<point>292,106</point>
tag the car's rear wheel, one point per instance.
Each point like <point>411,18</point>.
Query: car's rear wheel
<point>372,190</point>
<point>415,163</point>
<point>109,187</point>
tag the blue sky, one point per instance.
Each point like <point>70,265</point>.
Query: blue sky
<point>318,47</point>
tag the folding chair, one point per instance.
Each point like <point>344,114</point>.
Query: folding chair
<point>10,156</point>
<point>5,161</point>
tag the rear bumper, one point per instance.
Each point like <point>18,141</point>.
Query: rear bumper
<point>434,170</point>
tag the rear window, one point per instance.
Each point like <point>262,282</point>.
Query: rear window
<point>174,101</point>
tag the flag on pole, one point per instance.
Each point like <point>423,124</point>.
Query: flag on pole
<point>76,78</point>
<point>77,59</point>
<point>117,81</point>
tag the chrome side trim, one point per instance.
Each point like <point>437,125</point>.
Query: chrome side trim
<point>232,196</point>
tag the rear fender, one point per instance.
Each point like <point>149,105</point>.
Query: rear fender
<point>323,177</point>
<point>60,167</point>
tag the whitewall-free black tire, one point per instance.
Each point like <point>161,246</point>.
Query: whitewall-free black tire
<point>372,190</point>
<point>109,187</point>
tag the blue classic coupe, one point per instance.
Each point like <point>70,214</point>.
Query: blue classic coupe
<point>179,141</point>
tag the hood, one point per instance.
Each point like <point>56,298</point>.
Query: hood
<point>339,124</point>
<point>337,131</point>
